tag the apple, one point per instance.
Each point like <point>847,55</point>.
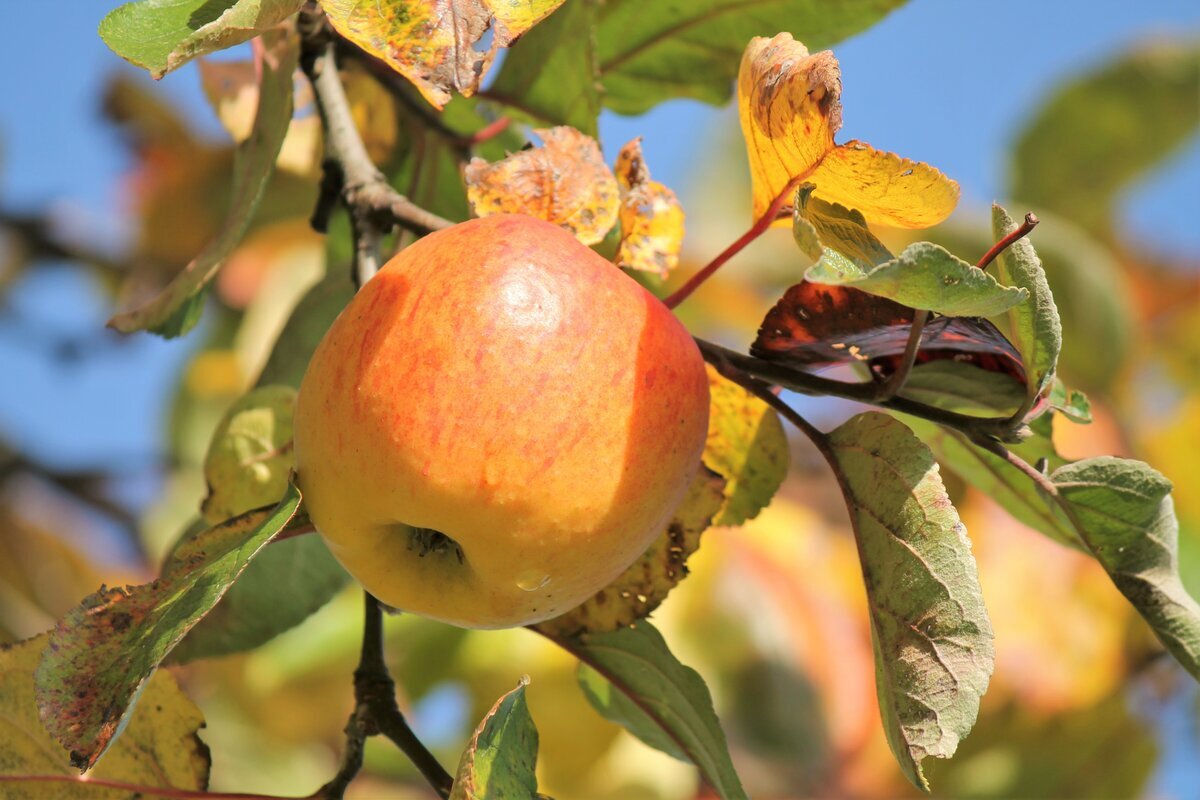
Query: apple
<point>498,424</point>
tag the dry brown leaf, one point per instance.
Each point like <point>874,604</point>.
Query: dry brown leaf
<point>565,181</point>
<point>651,216</point>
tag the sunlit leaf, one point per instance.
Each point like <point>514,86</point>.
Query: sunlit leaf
<point>162,35</point>
<point>176,309</point>
<point>565,181</point>
<point>500,758</point>
<point>102,652</point>
<point>790,107</point>
<point>436,44</point>
<point>1124,512</point>
<point>159,746</point>
<point>932,638</point>
<point>747,446</point>
<point>651,216</point>
<point>664,695</point>
<point>817,225</point>
<point>643,586</point>
<point>924,276</point>
<point>250,455</point>
<point>1097,134</point>
<point>1071,404</point>
<point>1034,324</point>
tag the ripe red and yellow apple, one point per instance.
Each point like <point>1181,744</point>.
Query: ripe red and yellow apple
<point>498,424</point>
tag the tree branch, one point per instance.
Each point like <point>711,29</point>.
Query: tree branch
<point>1001,428</point>
<point>374,206</point>
<point>376,712</point>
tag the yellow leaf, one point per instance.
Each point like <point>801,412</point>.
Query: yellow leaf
<point>651,216</point>
<point>790,107</point>
<point>374,110</point>
<point>158,748</point>
<point>433,43</point>
<point>565,181</point>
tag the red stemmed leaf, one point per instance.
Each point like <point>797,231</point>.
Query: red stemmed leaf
<point>817,325</point>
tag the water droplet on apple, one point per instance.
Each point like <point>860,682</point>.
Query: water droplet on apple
<point>532,581</point>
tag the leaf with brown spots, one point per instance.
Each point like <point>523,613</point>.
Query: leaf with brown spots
<point>565,181</point>
<point>790,107</point>
<point>102,652</point>
<point>645,584</point>
<point>159,746</point>
<point>500,759</point>
<point>931,635</point>
<point>436,43</point>
<point>651,216</point>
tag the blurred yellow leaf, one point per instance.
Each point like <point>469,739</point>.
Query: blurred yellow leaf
<point>651,216</point>
<point>159,747</point>
<point>435,43</point>
<point>565,181</point>
<point>790,108</point>
<point>374,110</point>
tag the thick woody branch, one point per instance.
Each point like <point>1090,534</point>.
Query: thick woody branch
<point>374,206</point>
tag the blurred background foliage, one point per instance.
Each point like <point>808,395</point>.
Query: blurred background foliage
<point>774,614</point>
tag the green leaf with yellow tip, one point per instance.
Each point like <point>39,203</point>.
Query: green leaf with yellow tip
<point>250,456</point>
<point>746,445</point>
<point>500,759</point>
<point>159,746</point>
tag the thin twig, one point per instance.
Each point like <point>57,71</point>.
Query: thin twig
<point>999,247</point>
<point>895,382</point>
<point>1002,428</point>
<point>376,712</point>
<point>757,229</point>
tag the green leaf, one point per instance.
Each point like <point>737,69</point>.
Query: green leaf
<point>103,651</point>
<point>307,325</point>
<point>159,747</point>
<point>930,631</point>
<point>924,276</point>
<point>162,35</point>
<point>1071,404</point>
<point>671,699</point>
<point>616,707</point>
<point>999,480</point>
<point>550,76</point>
<point>964,388</point>
<point>817,225</point>
<point>249,457</point>
<point>632,55</point>
<point>500,759</point>
<point>746,446</point>
<point>1098,134</point>
<point>1034,324</point>
<point>284,585</point>
<point>174,311</point>
<point>1125,515</point>
<point>650,52</point>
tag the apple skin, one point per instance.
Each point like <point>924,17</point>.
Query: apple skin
<point>503,385</point>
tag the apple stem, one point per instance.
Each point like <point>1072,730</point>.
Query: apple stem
<point>1031,222</point>
<point>376,712</point>
<point>757,229</point>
